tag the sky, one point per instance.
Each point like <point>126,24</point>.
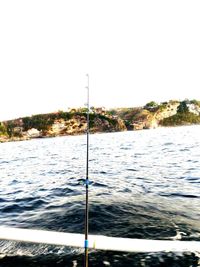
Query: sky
<point>133,51</point>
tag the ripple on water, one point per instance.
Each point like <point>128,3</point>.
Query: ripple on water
<point>143,184</point>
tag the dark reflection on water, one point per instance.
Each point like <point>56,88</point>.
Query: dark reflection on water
<point>103,259</point>
<point>143,185</point>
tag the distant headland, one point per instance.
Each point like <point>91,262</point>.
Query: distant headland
<point>73,121</point>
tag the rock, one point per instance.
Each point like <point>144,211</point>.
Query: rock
<point>33,133</point>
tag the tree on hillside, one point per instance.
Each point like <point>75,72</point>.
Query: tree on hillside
<point>151,104</point>
<point>183,108</point>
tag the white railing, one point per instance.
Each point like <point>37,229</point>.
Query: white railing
<point>97,241</point>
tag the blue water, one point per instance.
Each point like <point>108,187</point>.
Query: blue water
<point>144,184</point>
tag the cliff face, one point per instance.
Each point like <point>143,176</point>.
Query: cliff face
<point>168,111</point>
<point>78,125</point>
<point>147,117</point>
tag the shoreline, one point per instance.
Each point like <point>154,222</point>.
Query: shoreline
<point>4,139</point>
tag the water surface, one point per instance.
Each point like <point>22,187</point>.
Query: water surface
<point>144,184</point>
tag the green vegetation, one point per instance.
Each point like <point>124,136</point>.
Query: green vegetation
<point>3,130</point>
<point>182,117</point>
<point>195,102</point>
<point>40,122</point>
<point>162,106</point>
<point>10,129</point>
<point>43,122</point>
<point>104,120</point>
<point>151,104</point>
<point>74,121</point>
<point>183,108</point>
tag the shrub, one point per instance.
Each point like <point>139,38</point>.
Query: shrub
<point>195,102</point>
<point>181,119</point>
<point>151,104</point>
<point>3,130</point>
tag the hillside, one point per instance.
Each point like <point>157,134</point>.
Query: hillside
<point>73,122</point>
<point>59,124</point>
<point>152,115</point>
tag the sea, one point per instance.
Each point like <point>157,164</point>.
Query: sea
<point>143,184</point>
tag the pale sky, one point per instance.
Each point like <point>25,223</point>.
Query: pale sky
<point>134,52</point>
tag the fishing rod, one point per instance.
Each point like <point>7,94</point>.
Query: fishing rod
<point>87,179</point>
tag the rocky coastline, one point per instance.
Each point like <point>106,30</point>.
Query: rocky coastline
<point>73,122</point>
